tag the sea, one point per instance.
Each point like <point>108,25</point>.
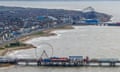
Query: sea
<point>92,41</point>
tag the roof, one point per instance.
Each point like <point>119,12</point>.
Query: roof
<point>41,17</point>
<point>75,57</point>
<point>91,20</point>
<point>53,18</point>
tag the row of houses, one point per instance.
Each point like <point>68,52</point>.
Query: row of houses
<point>14,28</point>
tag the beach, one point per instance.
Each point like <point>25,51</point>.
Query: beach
<point>45,33</point>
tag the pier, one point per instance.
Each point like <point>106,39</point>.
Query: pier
<point>67,62</point>
<point>74,63</point>
<point>71,61</point>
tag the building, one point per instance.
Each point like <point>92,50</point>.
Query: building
<point>87,22</point>
<point>91,21</point>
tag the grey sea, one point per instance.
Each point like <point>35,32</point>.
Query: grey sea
<point>92,41</point>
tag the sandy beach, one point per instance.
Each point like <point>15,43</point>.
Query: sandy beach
<point>45,33</point>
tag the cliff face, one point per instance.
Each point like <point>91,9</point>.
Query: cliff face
<point>15,12</point>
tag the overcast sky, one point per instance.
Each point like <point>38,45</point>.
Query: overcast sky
<point>59,0</point>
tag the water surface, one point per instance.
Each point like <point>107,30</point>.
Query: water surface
<point>92,41</point>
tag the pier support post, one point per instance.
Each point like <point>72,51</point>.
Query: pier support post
<point>38,63</point>
<point>112,64</point>
<point>100,64</point>
<point>63,64</point>
<point>27,63</point>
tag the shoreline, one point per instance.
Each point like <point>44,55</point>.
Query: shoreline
<point>6,50</point>
<point>45,33</point>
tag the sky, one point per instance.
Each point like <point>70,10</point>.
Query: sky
<point>59,0</point>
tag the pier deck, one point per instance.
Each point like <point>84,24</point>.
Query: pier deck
<point>63,61</point>
<point>69,63</point>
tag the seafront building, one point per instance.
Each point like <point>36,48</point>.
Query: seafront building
<point>16,22</point>
<point>13,29</point>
